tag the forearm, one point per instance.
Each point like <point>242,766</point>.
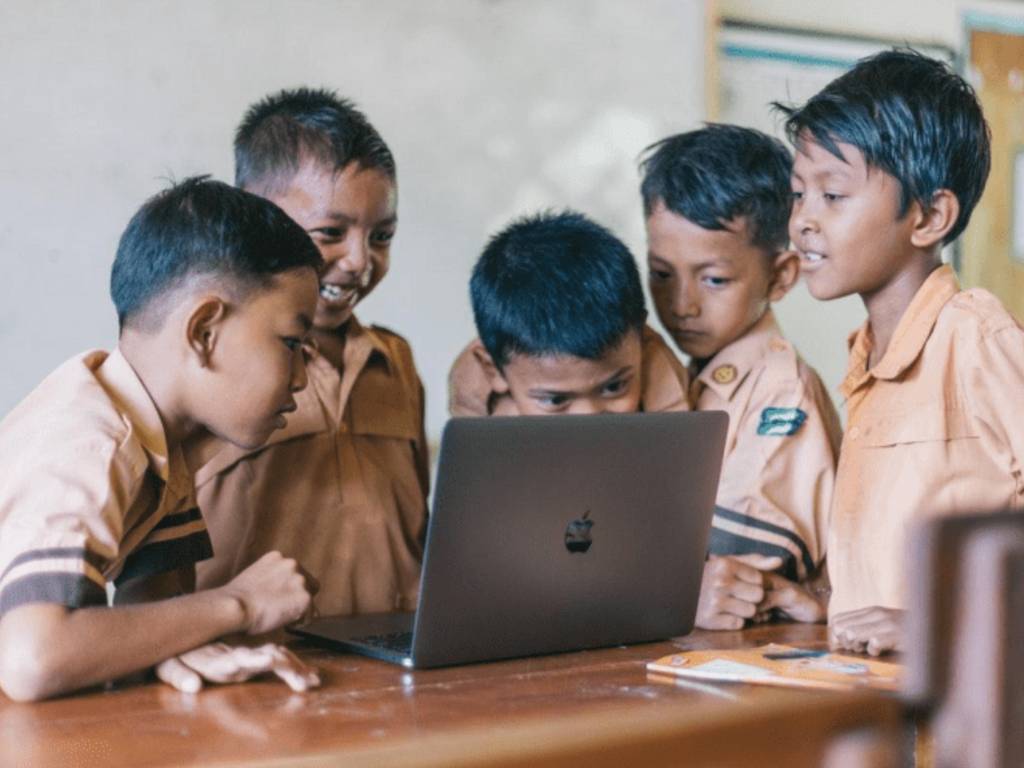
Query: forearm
<point>46,649</point>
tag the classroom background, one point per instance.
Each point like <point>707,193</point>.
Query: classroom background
<point>493,108</point>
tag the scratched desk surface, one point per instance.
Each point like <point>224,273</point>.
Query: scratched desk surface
<point>362,703</point>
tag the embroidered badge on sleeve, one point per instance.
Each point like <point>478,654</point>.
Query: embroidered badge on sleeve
<point>781,422</point>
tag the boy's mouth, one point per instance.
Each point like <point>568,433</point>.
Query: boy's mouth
<point>338,295</point>
<point>811,259</point>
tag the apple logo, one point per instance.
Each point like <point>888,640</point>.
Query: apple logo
<point>577,534</point>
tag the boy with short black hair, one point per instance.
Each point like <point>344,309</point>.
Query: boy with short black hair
<point>560,311</point>
<point>717,204</point>
<point>215,290</point>
<point>891,159</point>
<point>343,486</point>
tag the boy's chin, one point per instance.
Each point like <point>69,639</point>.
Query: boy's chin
<point>252,439</point>
<point>822,290</point>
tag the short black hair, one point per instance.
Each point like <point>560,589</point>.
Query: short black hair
<point>202,227</point>
<point>718,173</point>
<point>912,117</point>
<point>281,130</point>
<point>555,284</point>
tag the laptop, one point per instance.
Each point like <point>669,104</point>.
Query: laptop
<point>554,533</point>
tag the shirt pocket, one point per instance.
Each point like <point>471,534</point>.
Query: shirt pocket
<point>922,424</point>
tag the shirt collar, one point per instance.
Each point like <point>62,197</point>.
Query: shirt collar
<point>912,332</point>
<point>129,394</point>
<point>365,345</point>
<point>724,372</point>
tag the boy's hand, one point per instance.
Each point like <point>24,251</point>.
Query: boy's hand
<point>792,599</point>
<point>874,630</point>
<point>220,663</point>
<point>730,592</point>
<point>273,591</point>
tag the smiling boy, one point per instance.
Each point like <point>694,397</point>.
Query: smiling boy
<point>215,291</point>
<point>560,313</point>
<point>891,160</point>
<point>717,204</point>
<point>343,487</point>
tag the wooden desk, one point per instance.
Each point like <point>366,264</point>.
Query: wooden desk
<point>599,706</point>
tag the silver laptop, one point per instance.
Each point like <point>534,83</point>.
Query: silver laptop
<point>554,533</point>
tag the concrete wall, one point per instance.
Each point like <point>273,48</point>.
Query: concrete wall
<point>493,108</point>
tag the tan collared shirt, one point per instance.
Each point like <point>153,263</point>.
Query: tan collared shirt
<point>89,492</point>
<point>342,488</point>
<point>664,382</point>
<point>934,429</point>
<point>780,452</point>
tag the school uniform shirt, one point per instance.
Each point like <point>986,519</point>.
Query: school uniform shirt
<point>89,491</point>
<point>934,428</point>
<point>664,382</point>
<point>778,471</point>
<point>342,488</point>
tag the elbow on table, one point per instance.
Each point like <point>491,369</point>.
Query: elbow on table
<point>30,669</point>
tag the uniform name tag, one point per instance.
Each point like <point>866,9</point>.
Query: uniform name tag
<point>781,422</point>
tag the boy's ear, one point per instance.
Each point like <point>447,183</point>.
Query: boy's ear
<point>934,223</point>
<point>785,273</point>
<point>497,381</point>
<point>202,328</point>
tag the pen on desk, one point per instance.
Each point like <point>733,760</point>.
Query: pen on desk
<point>799,653</point>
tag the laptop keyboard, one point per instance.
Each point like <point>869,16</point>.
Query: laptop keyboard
<point>400,642</point>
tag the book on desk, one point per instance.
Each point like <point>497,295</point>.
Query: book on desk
<point>781,665</point>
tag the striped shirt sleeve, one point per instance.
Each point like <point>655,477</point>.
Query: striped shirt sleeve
<point>178,540</point>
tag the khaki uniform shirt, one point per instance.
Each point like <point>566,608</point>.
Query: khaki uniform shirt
<point>89,492</point>
<point>780,453</point>
<point>342,488</point>
<point>934,428</point>
<point>664,382</point>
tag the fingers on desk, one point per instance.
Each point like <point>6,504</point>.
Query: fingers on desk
<point>221,663</point>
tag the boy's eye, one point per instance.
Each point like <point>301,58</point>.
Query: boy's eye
<point>382,238</point>
<point>715,281</point>
<point>553,401</point>
<point>833,196</point>
<point>659,275</point>
<point>329,233</point>
<point>292,343</point>
<point>796,194</point>
<point>616,387</point>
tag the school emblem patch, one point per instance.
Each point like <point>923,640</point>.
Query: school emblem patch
<point>724,374</point>
<point>781,422</point>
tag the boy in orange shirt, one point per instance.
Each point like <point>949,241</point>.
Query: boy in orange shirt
<point>717,206</point>
<point>891,160</point>
<point>342,488</point>
<point>560,311</point>
<point>215,291</point>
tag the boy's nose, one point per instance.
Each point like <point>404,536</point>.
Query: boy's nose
<point>586,406</point>
<point>686,304</point>
<point>801,222</point>
<point>357,257</point>
<point>299,377</point>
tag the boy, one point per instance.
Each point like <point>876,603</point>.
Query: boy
<point>559,309</point>
<point>891,159</point>
<point>215,291</point>
<point>342,488</point>
<point>717,205</point>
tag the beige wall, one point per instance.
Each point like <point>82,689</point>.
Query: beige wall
<point>493,109</point>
